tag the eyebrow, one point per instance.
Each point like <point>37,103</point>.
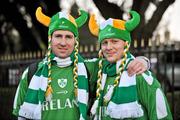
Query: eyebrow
<point>63,35</point>
<point>69,36</point>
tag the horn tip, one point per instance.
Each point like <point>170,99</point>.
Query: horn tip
<point>39,8</point>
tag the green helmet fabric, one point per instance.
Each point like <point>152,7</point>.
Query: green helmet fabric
<point>108,30</point>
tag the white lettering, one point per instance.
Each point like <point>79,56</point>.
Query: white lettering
<point>45,106</point>
<point>57,104</point>
<point>53,105</point>
<point>68,103</point>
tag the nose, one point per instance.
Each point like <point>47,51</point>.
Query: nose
<point>62,42</point>
<point>109,45</point>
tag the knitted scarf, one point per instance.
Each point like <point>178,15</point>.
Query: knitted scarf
<point>32,106</point>
<point>122,99</point>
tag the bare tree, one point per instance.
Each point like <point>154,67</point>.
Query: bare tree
<point>37,34</point>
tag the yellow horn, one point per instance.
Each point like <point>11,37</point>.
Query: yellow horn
<point>42,18</point>
<point>120,24</point>
<point>71,18</point>
<point>93,26</point>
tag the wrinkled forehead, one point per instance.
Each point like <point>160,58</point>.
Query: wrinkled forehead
<point>117,40</point>
<point>63,32</point>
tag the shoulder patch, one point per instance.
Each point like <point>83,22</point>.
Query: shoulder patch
<point>148,77</point>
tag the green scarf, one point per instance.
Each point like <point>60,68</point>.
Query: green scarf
<point>123,99</point>
<point>32,106</point>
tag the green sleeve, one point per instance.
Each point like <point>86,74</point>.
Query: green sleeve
<point>152,98</point>
<point>92,67</point>
<point>20,93</point>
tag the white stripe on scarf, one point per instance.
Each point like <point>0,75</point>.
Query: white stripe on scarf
<point>82,69</point>
<point>38,82</point>
<point>126,81</point>
<point>126,110</point>
<point>82,96</point>
<point>30,111</point>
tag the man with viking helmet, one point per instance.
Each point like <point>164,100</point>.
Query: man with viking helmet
<point>119,96</point>
<point>59,87</point>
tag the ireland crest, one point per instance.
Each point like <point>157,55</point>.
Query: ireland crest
<point>62,82</point>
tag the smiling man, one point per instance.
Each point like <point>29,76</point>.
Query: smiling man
<point>58,89</point>
<point>63,43</point>
<point>119,96</point>
<point>112,49</point>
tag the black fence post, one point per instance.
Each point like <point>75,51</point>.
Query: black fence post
<point>165,68</point>
<point>172,53</point>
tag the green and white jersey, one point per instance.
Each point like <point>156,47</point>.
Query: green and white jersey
<point>150,96</point>
<point>63,104</point>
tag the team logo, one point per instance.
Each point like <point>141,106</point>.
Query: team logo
<point>62,82</point>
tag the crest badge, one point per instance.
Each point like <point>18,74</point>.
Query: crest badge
<point>62,82</point>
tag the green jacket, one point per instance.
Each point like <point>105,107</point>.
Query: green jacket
<point>147,92</point>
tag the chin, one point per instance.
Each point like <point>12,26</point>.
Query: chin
<point>62,56</point>
<point>111,60</point>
